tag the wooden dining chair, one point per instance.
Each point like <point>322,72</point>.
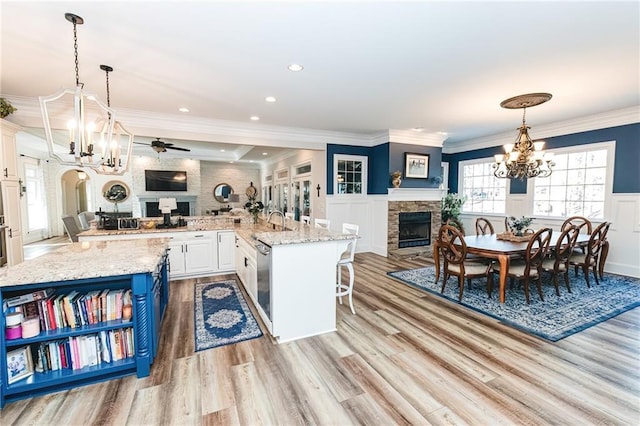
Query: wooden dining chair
<point>592,256</point>
<point>582,223</point>
<point>483,226</point>
<point>453,250</point>
<point>558,261</point>
<point>531,266</point>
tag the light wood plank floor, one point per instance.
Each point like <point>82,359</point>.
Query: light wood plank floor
<point>406,358</point>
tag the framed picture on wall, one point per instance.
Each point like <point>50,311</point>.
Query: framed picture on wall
<point>416,165</point>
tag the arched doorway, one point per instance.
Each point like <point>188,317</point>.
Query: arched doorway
<point>76,192</point>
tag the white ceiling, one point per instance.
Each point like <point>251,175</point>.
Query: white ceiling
<point>368,66</point>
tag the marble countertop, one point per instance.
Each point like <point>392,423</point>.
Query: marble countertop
<point>88,260</point>
<point>295,233</point>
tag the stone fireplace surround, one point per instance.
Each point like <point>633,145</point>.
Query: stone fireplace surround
<point>412,200</point>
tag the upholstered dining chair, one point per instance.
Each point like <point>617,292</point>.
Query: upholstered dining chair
<point>72,228</point>
<point>593,251</point>
<point>84,218</point>
<point>346,260</point>
<point>558,261</point>
<point>531,266</point>
<point>322,223</point>
<point>453,250</point>
<point>483,226</point>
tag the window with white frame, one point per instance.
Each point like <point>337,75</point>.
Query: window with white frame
<point>485,193</point>
<point>349,174</point>
<point>578,184</point>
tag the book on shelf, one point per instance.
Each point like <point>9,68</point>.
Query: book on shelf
<point>83,351</point>
<point>28,297</point>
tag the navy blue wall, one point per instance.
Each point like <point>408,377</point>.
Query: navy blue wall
<point>396,162</point>
<point>383,160</point>
<point>626,174</point>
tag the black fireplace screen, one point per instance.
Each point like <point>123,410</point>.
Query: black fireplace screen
<point>414,229</point>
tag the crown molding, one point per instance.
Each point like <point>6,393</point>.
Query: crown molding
<point>409,137</point>
<point>577,125</point>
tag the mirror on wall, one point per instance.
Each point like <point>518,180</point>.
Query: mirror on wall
<point>115,191</point>
<point>221,192</point>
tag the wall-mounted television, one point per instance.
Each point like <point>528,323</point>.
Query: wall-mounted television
<point>165,180</point>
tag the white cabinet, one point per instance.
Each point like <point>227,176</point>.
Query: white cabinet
<point>226,250</point>
<point>9,159</point>
<point>11,192</point>
<point>192,253</point>
<point>246,268</point>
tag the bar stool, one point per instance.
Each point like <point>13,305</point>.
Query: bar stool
<point>322,223</point>
<point>306,220</point>
<point>346,259</point>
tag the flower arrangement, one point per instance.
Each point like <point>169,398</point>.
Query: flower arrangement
<point>6,108</point>
<point>519,225</point>
<point>254,207</point>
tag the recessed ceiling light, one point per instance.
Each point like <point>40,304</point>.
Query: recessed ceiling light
<point>251,161</point>
<point>418,129</point>
<point>183,109</point>
<point>270,99</point>
<point>442,133</point>
<point>264,153</point>
<point>230,162</point>
<point>222,150</point>
<point>254,118</point>
<point>295,67</point>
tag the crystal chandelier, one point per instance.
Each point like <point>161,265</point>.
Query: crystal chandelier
<point>524,158</point>
<point>81,113</point>
<point>113,162</point>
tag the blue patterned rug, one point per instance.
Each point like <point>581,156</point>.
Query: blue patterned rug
<point>222,316</point>
<point>553,319</point>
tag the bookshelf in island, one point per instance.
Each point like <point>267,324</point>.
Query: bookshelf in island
<point>85,313</point>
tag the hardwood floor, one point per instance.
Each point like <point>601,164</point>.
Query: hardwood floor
<point>406,358</point>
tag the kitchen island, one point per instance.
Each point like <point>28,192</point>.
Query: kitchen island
<point>136,266</point>
<point>293,286</point>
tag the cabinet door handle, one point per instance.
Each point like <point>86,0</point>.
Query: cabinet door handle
<point>198,236</point>
<point>246,262</point>
<point>186,248</point>
<point>6,172</point>
<point>10,230</point>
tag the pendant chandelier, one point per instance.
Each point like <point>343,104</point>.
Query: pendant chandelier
<point>113,162</point>
<point>524,158</point>
<point>85,117</point>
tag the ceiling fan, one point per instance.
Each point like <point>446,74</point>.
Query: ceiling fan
<point>159,146</point>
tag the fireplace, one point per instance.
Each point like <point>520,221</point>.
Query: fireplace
<point>414,229</point>
<point>421,246</point>
<point>153,210</point>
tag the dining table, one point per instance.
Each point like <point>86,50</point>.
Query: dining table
<point>489,246</point>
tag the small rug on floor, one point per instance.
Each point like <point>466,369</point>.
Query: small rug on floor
<point>222,316</point>
<point>553,319</point>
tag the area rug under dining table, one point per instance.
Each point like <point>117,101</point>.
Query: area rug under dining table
<point>222,315</point>
<point>552,319</point>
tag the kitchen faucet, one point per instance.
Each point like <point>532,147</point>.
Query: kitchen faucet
<point>281,214</point>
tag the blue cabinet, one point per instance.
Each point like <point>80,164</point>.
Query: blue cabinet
<point>150,294</point>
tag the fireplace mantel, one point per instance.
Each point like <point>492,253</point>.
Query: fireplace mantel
<point>415,194</point>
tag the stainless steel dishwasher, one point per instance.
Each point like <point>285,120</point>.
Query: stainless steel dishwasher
<point>263,260</point>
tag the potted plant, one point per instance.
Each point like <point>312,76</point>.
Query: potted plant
<point>6,108</point>
<point>451,209</point>
<point>519,225</point>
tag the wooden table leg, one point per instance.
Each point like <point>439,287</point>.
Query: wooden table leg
<point>436,259</point>
<point>503,259</point>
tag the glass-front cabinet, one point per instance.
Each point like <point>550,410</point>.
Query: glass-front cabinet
<point>281,190</point>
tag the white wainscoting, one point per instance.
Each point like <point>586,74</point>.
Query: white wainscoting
<point>623,236</point>
<point>353,209</point>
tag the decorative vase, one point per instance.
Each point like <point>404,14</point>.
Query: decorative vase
<point>255,217</point>
<point>396,182</point>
